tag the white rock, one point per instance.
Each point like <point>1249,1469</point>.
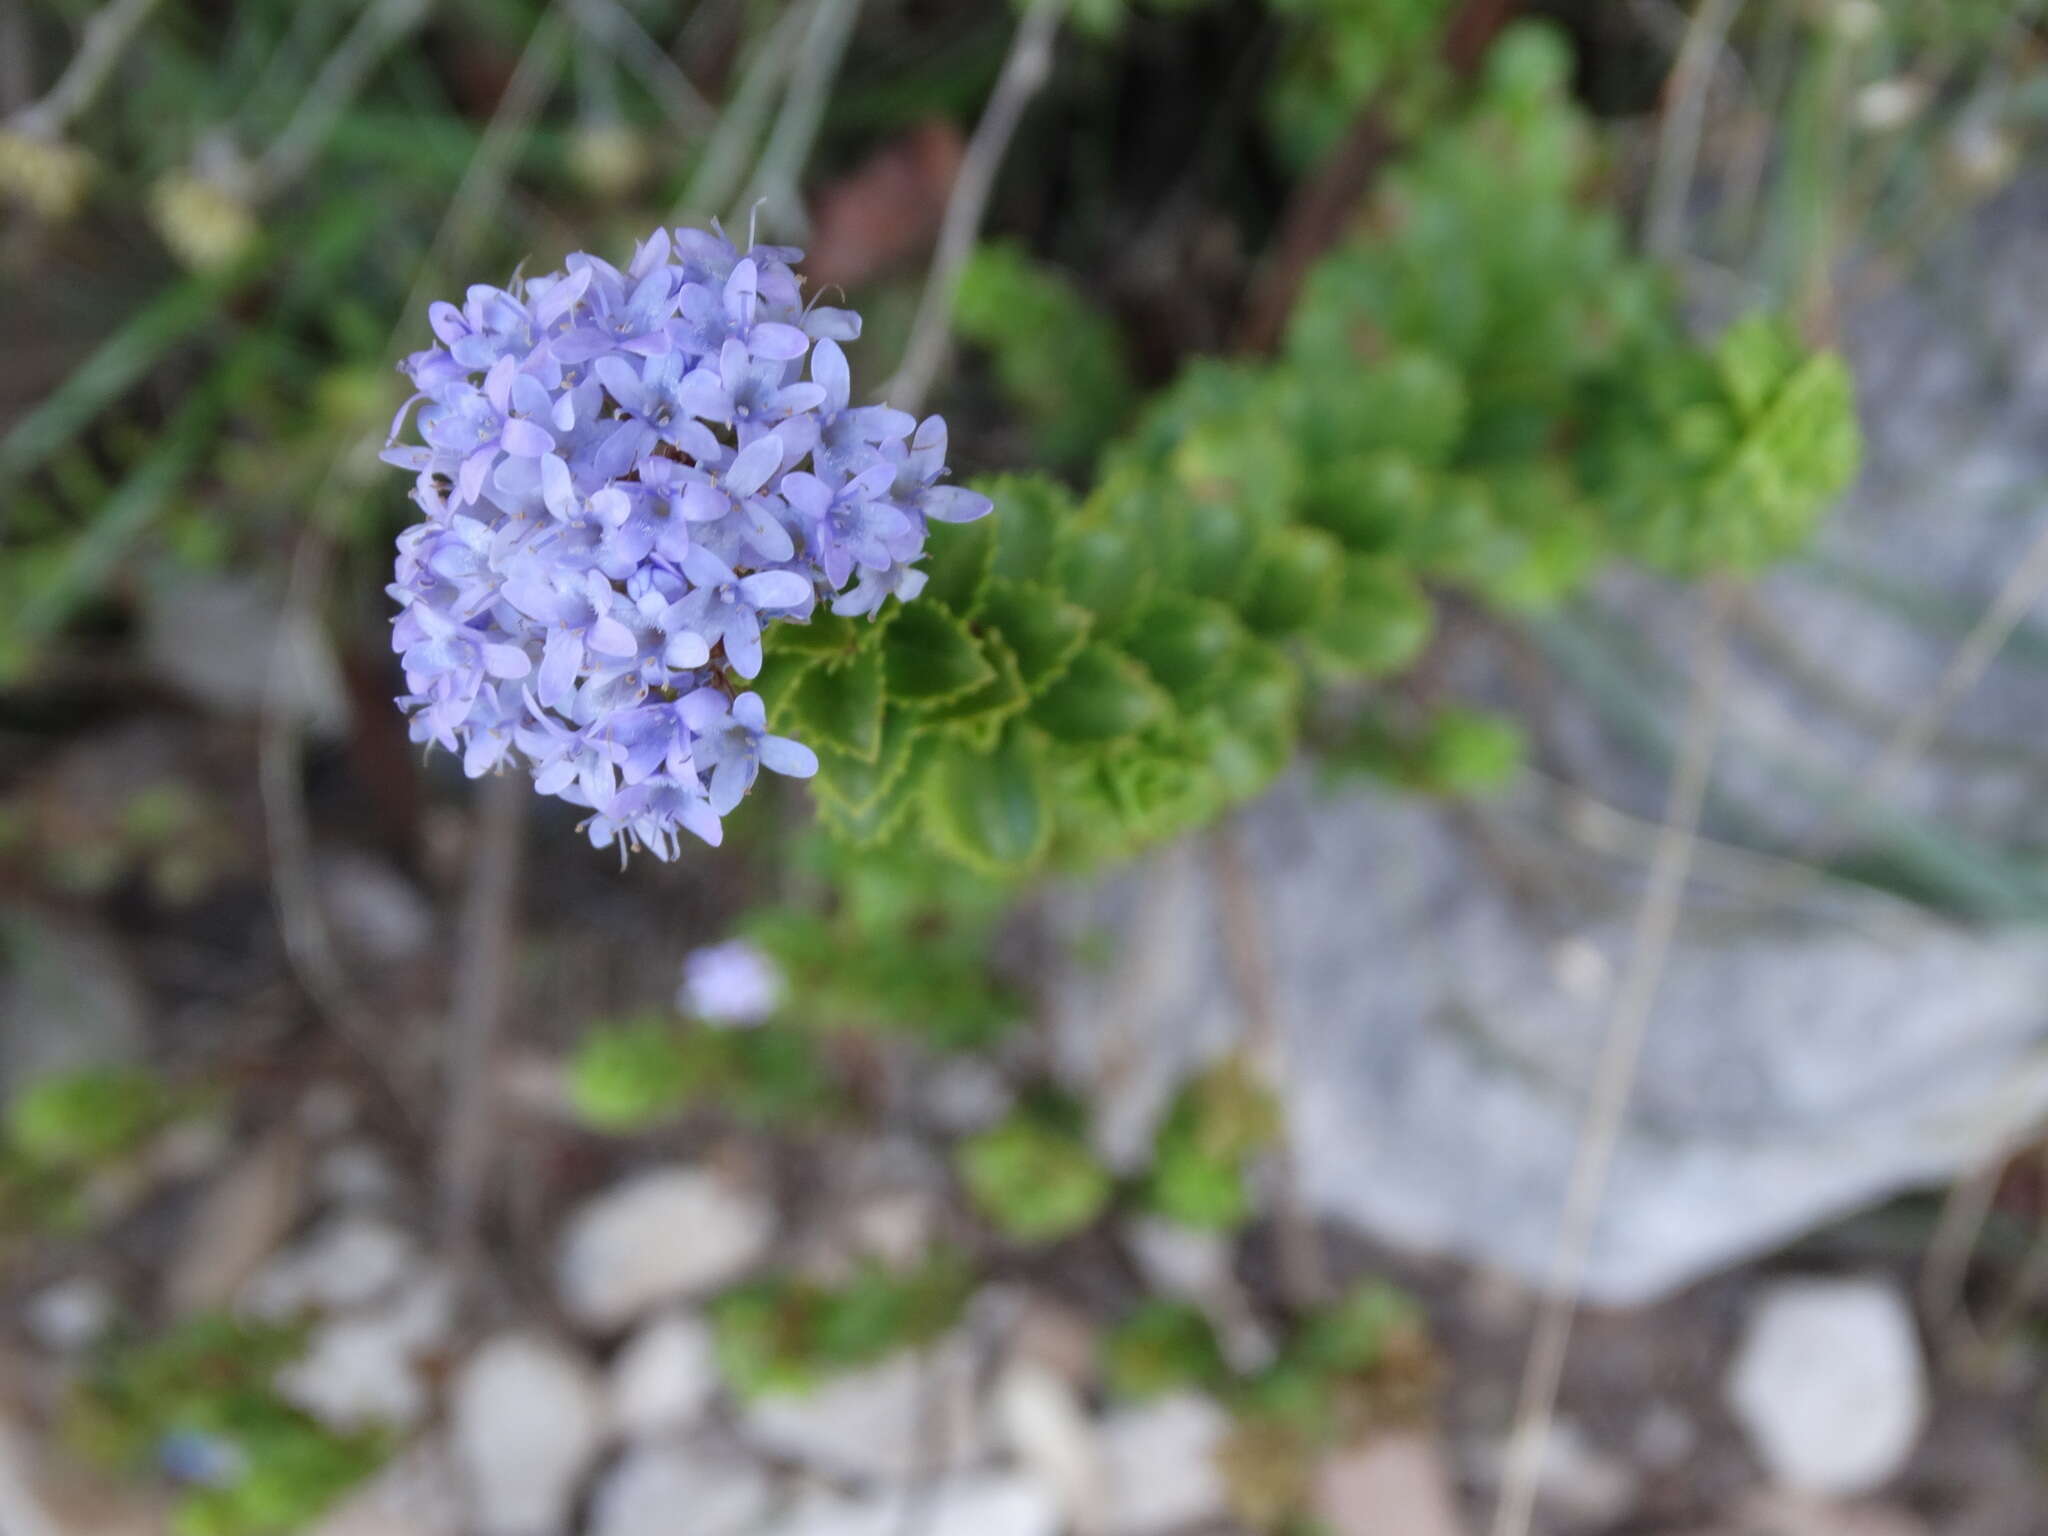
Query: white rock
<point>666,1234</point>
<point>1576,1481</point>
<point>1394,1485</point>
<point>670,1490</point>
<point>1159,1465</point>
<point>413,1496</point>
<point>907,1416</point>
<point>355,1173</point>
<point>349,1260</point>
<point>665,1376</point>
<point>363,1369</point>
<point>1828,1384</point>
<point>1040,1418</point>
<point>377,913</point>
<point>526,1420</point>
<point>987,1505</point>
<point>200,633</point>
<point>69,1315</point>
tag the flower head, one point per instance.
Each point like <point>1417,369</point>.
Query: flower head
<point>624,477</point>
<point>730,983</point>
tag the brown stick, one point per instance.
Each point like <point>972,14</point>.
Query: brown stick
<point>1322,205</point>
<point>484,958</point>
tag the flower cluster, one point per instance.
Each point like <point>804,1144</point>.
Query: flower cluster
<point>625,476</point>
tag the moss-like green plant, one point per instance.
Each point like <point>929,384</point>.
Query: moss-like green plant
<point>627,1077</point>
<point>1483,391</point>
<point>1034,1175</point>
<point>1220,1120</point>
<point>74,1119</point>
<point>208,1380</point>
<point>783,1334</point>
<point>1163,1346</point>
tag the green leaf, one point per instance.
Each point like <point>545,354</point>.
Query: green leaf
<point>1042,628</point>
<point>959,558</point>
<point>931,657</point>
<point>990,810</point>
<point>854,784</point>
<point>838,704</point>
<point>1295,580</point>
<point>1379,623</point>
<point>1109,570</point>
<point>781,673</point>
<point>1184,643</point>
<point>1030,511</point>
<point>827,634</point>
<point>1034,1178</point>
<point>994,701</point>
<point>1104,695</point>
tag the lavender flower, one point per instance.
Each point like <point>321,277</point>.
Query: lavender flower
<point>623,478</point>
<point>728,984</point>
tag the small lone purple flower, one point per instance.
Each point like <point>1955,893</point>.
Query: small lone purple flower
<point>734,983</point>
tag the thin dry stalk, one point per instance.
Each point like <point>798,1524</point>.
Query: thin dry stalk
<point>1024,71</point>
<point>1615,1071</point>
<point>484,962</point>
<point>1247,953</point>
<point>106,38</point>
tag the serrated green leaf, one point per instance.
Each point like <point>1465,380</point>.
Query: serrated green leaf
<point>997,699</point>
<point>1184,643</point>
<point>827,634</point>
<point>781,673</point>
<point>1379,623</point>
<point>930,657</point>
<point>881,815</point>
<point>1043,629</point>
<point>837,704</point>
<point>854,784</point>
<point>1295,580</point>
<point>1109,571</point>
<point>990,809</point>
<point>959,558</point>
<point>1030,511</point>
<point>1104,695</point>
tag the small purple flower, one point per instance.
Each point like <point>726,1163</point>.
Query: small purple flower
<point>622,478</point>
<point>734,983</point>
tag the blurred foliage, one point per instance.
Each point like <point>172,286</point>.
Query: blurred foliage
<point>630,1076</point>
<point>64,1130</point>
<point>890,944</point>
<point>1219,1121</point>
<point>785,1334</point>
<point>1034,1175</point>
<point>197,1402</point>
<point>1059,361</point>
<point>1341,55</point>
<point>1453,751</point>
<point>1482,390</point>
<point>1360,1363</point>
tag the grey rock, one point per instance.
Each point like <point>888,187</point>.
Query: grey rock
<point>666,1490</point>
<point>1828,1384</point>
<point>664,1377</point>
<point>1159,1466</point>
<point>1816,1045</point>
<point>905,1417</point>
<point>220,640</point>
<point>67,999</point>
<point>662,1235</point>
<point>526,1421</point>
<point>985,1505</point>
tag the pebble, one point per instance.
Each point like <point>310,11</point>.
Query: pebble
<point>665,1376</point>
<point>663,1235</point>
<point>1828,1384</point>
<point>902,1418</point>
<point>70,1315</point>
<point>364,1369</point>
<point>526,1421</point>
<point>349,1260</point>
<point>645,1493</point>
<point>1159,1465</point>
<point>1041,1419</point>
<point>415,1495</point>
<point>240,1219</point>
<point>984,1505</point>
<point>1394,1485</point>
